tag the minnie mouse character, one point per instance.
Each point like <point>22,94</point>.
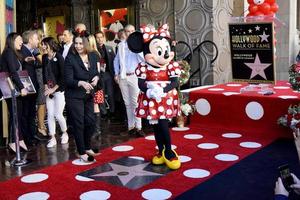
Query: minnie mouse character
<point>157,79</point>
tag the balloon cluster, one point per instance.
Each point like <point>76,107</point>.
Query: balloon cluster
<point>262,7</point>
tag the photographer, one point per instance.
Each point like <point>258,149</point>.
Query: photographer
<point>280,191</point>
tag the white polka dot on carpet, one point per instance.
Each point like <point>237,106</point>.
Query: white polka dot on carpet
<point>226,157</point>
<point>83,179</point>
<point>231,135</point>
<point>122,148</point>
<point>184,159</point>
<point>80,162</point>
<point>254,110</point>
<point>34,196</point>
<point>156,194</point>
<point>34,178</point>
<point>196,173</point>
<point>208,146</point>
<point>203,106</point>
<point>193,136</point>
<point>250,145</point>
<point>95,195</point>
<point>180,128</point>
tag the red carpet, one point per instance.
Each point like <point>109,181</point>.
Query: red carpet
<point>62,184</point>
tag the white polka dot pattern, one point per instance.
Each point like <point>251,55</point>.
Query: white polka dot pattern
<point>196,173</point>
<point>203,106</point>
<point>95,194</point>
<point>156,194</point>
<point>254,110</point>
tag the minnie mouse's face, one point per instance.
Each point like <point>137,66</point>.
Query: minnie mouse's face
<point>159,53</point>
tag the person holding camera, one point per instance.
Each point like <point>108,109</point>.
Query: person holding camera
<point>81,77</point>
<point>281,192</point>
<point>53,68</point>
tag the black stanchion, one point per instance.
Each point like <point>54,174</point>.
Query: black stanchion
<point>18,161</point>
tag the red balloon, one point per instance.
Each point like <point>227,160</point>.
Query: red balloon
<point>274,7</point>
<point>250,1</point>
<point>265,8</point>
<point>270,1</point>
<point>259,13</point>
<point>253,8</point>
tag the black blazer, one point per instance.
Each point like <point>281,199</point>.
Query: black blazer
<point>56,67</point>
<point>109,58</point>
<point>30,66</point>
<point>75,71</point>
<point>9,63</point>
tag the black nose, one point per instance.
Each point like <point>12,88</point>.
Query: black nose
<point>166,56</point>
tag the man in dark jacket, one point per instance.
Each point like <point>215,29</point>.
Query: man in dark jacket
<point>30,63</point>
<point>108,56</point>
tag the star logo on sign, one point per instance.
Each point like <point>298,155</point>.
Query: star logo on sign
<point>257,28</point>
<point>127,173</point>
<point>258,67</point>
<point>264,37</point>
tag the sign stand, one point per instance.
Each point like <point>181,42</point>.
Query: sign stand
<point>18,161</point>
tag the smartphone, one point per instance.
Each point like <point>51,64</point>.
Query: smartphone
<point>286,176</point>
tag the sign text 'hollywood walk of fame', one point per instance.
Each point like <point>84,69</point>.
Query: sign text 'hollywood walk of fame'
<point>252,53</point>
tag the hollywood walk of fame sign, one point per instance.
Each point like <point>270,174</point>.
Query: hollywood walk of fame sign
<point>25,79</point>
<point>252,52</point>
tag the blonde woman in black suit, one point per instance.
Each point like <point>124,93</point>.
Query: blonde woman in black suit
<point>81,77</point>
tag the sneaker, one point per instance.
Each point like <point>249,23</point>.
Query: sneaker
<point>52,142</point>
<point>64,138</point>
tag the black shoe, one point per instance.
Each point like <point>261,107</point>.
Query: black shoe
<point>140,133</point>
<point>128,133</point>
<point>41,137</point>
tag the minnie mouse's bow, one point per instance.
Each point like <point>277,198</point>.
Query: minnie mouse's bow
<point>150,32</point>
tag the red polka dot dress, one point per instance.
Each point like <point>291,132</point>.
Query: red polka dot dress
<point>168,107</point>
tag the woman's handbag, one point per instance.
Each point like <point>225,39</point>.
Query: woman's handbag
<point>99,97</point>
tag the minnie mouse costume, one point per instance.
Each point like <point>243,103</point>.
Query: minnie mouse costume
<point>157,79</point>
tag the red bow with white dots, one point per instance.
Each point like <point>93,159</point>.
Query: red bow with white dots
<point>149,32</point>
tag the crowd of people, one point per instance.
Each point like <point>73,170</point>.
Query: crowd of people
<point>67,72</point>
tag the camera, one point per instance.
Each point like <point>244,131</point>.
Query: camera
<point>286,176</point>
<point>51,96</point>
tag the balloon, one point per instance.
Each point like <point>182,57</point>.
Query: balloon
<point>270,1</point>
<point>253,8</point>
<point>250,1</point>
<point>274,7</point>
<point>258,13</point>
<point>258,2</point>
<point>265,8</point>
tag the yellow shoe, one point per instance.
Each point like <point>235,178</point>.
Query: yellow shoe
<point>158,160</point>
<point>174,163</point>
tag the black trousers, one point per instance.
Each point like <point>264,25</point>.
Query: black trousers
<point>81,112</point>
<point>108,88</point>
<point>28,117</point>
<point>11,137</point>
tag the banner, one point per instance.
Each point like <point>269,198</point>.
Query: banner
<point>252,52</point>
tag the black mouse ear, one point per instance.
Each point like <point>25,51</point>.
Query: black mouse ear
<point>135,42</point>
